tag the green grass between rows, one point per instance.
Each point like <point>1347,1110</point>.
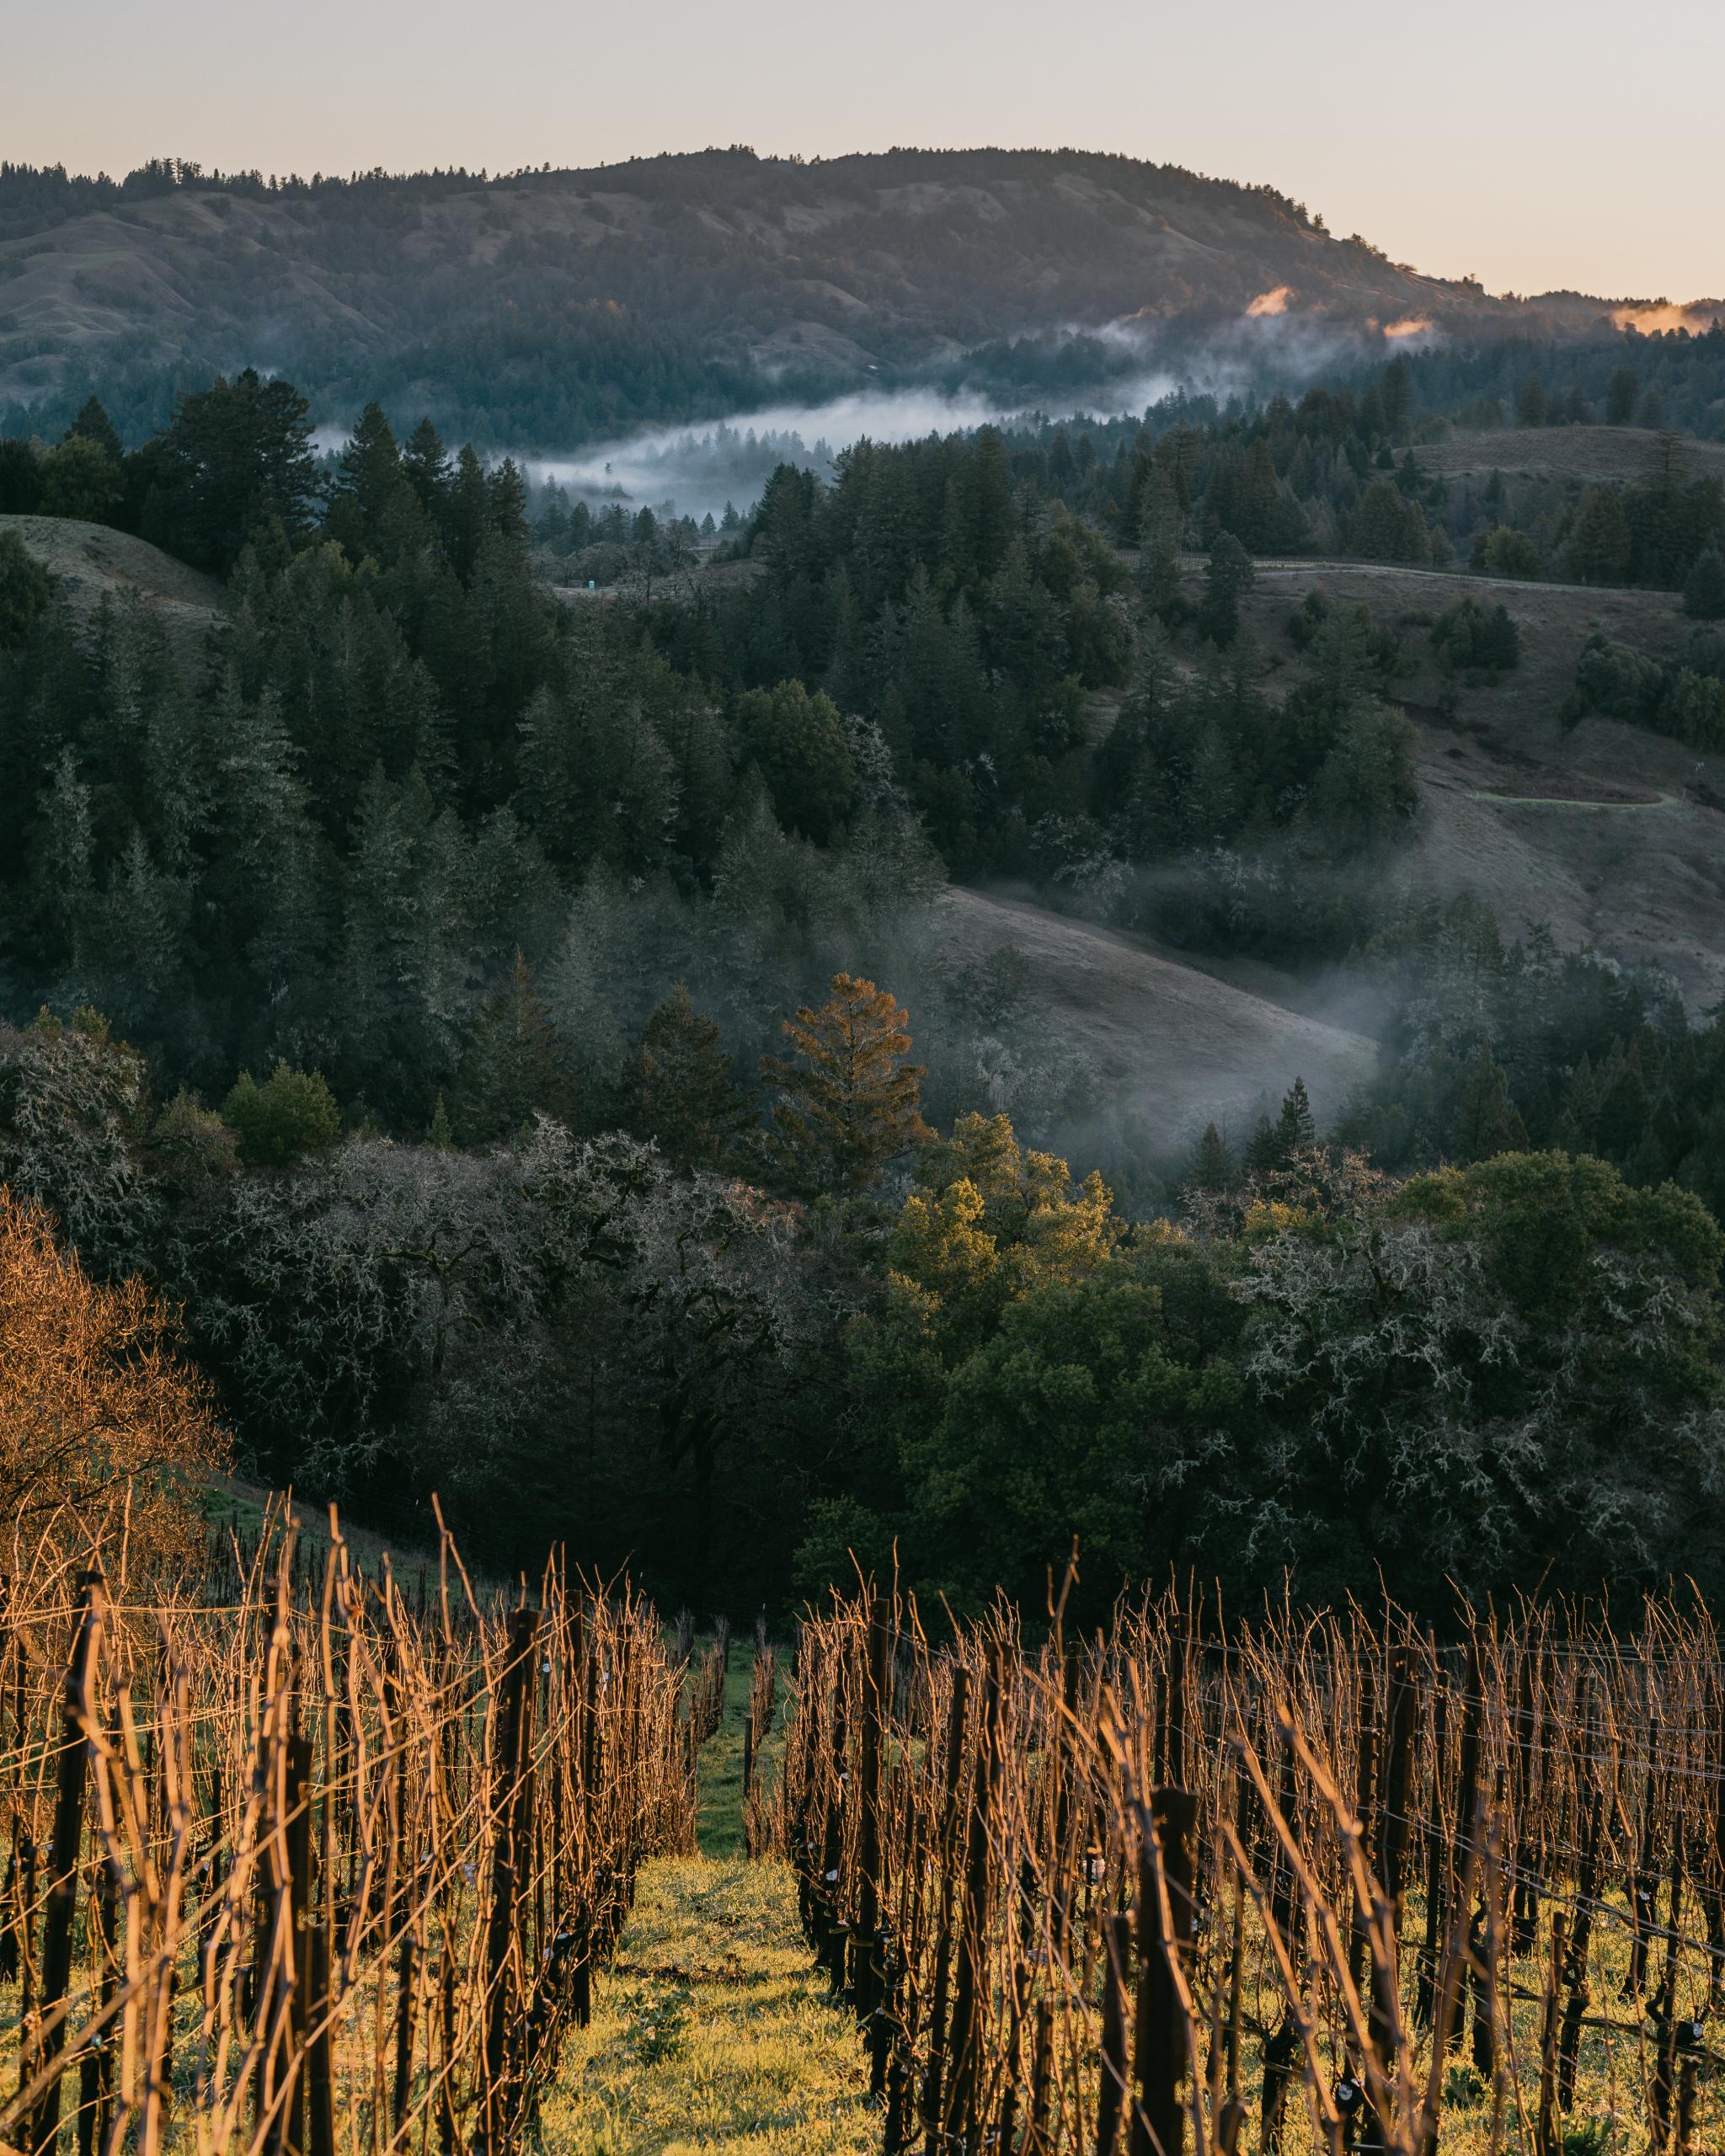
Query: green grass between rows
<point>712,2028</point>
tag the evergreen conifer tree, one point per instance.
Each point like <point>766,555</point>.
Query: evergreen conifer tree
<point>848,1103</point>
<point>93,424</point>
<point>1486,1122</point>
<point>467,512</point>
<point>1264,1152</point>
<point>681,1089</point>
<point>367,474</point>
<point>1159,543</point>
<point>1228,576</point>
<point>514,1064</point>
<point>424,464</point>
<point>293,1112</point>
<point>1295,1127</point>
<point>1214,1168</point>
<point>1703,587</point>
<point>25,588</point>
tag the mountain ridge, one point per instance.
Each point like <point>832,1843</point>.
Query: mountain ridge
<point>678,287</point>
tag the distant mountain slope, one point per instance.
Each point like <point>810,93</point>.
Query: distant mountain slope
<point>664,288</point>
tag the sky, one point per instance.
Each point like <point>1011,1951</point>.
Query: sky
<point>1535,144</point>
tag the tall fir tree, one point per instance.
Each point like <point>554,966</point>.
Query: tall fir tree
<point>682,1092</point>
<point>513,1064</point>
<point>1212,1170</point>
<point>1296,1128</point>
<point>848,1102</point>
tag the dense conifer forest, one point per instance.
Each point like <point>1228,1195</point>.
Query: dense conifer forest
<point>513,1027</point>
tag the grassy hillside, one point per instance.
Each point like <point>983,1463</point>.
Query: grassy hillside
<point>92,561</point>
<point>1197,1041</point>
<point>1588,455</point>
<point>1614,835</point>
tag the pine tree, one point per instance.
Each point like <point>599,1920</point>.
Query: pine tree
<point>1295,1127</point>
<point>367,474</point>
<point>1159,543</point>
<point>681,1090</point>
<point>1228,576</point>
<point>469,513</point>
<point>1704,588</point>
<point>424,464</point>
<point>1485,1120</point>
<point>80,479</point>
<point>93,424</point>
<point>1599,543</point>
<point>293,1112</point>
<point>507,488</point>
<point>1264,1152</point>
<point>798,743</point>
<point>236,458</point>
<point>849,1105</point>
<point>1398,391</point>
<point>1579,1120</point>
<point>513,1064</point>
<point>1214,1168</point>
<point>406,940</point>
<point>25,589</point>
<point>1620,397</point>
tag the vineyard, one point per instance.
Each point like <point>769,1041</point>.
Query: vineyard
<point>1303,1884</point>
<point>298,1863</point>
<point>304,1861</point>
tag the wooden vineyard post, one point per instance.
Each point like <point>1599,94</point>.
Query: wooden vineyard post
<point>96,2067</point>
<point>1167,1926</point>
<point>1662,2088</point>
<point>934,2090</point>
<point>1382,2017</point>
<point>1580,1992</point>
<point>299,1859</point>
<point>513,1795</point>
<point>1042,2047</point>
<point>43,2045</point>
<point>320,2060</point>
<point>865,1940</point>
<point>1461,1870</point>
<point>1546,2141</point>
<point>966,2036</point>
<point>1426,1978</point>
<point>1281,2050</point>
<point>1111,2099</point>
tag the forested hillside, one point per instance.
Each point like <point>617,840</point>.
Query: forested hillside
<point>522,1036</point>
<point>537,310</point>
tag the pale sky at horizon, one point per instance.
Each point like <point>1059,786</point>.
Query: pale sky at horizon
<point>1535,146</point>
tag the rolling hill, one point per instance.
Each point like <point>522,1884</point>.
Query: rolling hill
<point>1183,1036</point>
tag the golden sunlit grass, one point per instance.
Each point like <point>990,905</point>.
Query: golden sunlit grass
<point>711,2027</point>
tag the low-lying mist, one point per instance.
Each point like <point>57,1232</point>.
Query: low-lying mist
<point>697,470</point>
